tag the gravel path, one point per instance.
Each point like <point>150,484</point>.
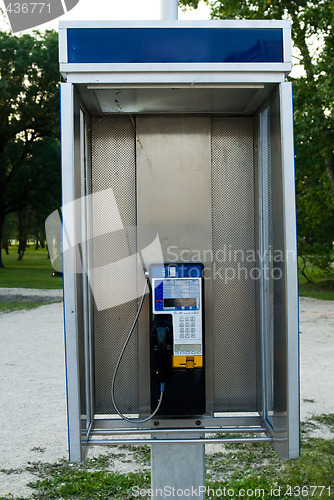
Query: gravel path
<point>29,295</point>
<point>32,391</point>
<point>316,356</point>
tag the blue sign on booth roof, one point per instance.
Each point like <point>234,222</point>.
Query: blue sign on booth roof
<point>174,45</point>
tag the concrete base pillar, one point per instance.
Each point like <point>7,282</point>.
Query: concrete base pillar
<point>178,471</point>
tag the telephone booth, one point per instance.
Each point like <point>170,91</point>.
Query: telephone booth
<point>177,151</point>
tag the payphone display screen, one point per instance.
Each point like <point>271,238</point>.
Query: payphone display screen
<point>180,303</point>
<point>177,294</point>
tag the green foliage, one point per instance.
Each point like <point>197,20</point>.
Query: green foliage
<point>29,85</point>
<point>190,3</point>
<point>313,38</point>
<point>257,468</point>
<point>315,200</point>
<point>29,125</point>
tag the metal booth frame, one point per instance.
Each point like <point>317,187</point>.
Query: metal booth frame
<point>265,98</point>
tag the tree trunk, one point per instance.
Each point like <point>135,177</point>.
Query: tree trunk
<point>22,236</point>
<point>2,221</point>
<point>36,238</point>
<point>302,269</point>
<point>330,168</point>
<point>5,247</point>
<point>2,197</point>
<point>22,247</point>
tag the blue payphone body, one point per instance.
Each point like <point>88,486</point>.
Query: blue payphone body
<point>177,339</point>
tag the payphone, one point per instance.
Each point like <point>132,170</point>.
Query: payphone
<point>177,339</point>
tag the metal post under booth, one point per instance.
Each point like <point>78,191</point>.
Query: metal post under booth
<point>177,142</point>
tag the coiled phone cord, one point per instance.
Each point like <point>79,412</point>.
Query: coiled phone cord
<point>162,385</point>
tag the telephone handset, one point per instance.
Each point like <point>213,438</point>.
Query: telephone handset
<point>162,339</point>
<point>177,339</point>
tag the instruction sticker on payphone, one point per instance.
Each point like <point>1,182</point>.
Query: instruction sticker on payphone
<point>177,340</point>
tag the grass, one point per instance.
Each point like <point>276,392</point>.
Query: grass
<point>321,286</point>
<point>6,307</point>
<point>230,473</point>
<point>256,468</point>
<point>34,271</point>
<point>65,481</point>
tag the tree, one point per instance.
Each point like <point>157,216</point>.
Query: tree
<point>310,20</point>
<point>313,38</point>
<point>29,120</point>
<point>8,232</point>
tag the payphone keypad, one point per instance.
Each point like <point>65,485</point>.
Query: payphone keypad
<point>188,326</point>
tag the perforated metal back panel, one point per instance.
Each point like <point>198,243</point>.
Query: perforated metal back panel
<point>114,166</point>
<point>234,265</point>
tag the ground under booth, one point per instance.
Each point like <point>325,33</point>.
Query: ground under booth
<point>180,278</point>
